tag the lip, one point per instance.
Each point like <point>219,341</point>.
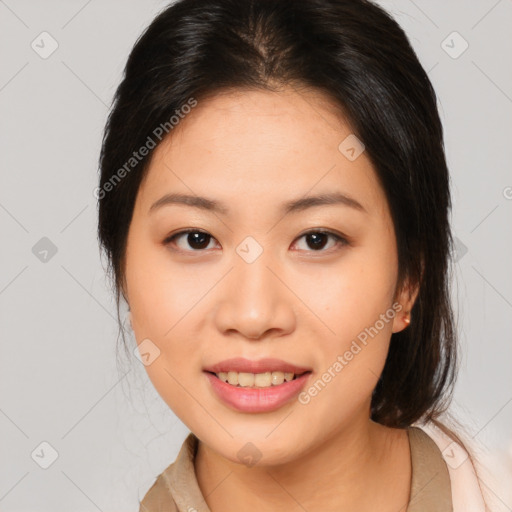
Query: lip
<point>253,400</point>
<point>240,364</point>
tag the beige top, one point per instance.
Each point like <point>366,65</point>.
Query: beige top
<point>176,488</point>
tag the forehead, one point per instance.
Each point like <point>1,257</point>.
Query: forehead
<point>263,147</point>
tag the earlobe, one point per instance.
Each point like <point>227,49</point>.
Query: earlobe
<point>401,321</point>
<point>407,298</point>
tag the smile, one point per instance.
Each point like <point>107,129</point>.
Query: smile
<point>256,393</point>
<point>256,380</point>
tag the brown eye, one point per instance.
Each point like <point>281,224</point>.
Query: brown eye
<point>195,239</point>
<point>317,240</point>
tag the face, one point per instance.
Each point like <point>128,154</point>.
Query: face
<point>265,272</point>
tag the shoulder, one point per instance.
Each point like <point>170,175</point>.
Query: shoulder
<point>158,498</point>
<point>465,489</point>
<point>176,488</point>
<point>430,481</point>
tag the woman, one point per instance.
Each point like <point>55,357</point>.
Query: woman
<point>274,203</point>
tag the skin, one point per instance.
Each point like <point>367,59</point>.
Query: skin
<point>254,150</point>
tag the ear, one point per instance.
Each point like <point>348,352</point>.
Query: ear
<point>406,297</point>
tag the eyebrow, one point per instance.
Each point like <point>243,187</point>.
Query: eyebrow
<point>296,205</point>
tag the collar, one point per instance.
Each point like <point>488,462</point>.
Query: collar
<point>176,489</point>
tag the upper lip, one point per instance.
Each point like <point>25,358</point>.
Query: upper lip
<point>240,364</point>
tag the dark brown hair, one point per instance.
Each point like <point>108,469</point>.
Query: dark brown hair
<point>358,56</point>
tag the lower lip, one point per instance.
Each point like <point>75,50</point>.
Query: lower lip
<point>257,399</point>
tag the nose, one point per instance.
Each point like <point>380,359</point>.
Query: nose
<point>255,302</point>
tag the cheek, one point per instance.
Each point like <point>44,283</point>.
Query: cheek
<point>164,303</point>
<point>162,294</point>
<point>352,294</point>
<point>355,302</point>
<point>352,359</point>
<point>166,309</point>
<point>177,385</point>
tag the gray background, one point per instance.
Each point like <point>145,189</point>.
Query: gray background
<point>60,383</point>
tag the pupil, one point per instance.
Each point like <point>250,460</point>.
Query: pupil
<point>198,240</point>
<point>318,243</point>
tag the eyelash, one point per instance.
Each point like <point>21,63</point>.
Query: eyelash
<point>338,238</point>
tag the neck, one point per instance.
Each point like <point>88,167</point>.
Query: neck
<point>360,467</point>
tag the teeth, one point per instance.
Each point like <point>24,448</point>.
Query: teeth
<point>258,380</point>
<point>246,380</point>
<point>232,378</point>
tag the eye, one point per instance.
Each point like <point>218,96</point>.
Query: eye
<point>196,239</point>
<point>199,240</point>
<point>317,239</point>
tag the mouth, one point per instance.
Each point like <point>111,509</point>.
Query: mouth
<point>257,380</point>
<point>257,392</point>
